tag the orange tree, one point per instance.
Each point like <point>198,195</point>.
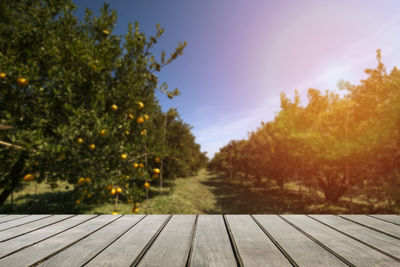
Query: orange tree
<point>334,144</point>
<point>77,102</point>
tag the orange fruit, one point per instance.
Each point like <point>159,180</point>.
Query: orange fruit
<point>113,191</point>
<point>105,32</point>
<point>123,156</point>
<point>146,185</point>
<point>127,132</point>
<point>109,187</point>
<point>81,181</point>
<point>141,165</point>
<point>114,107</point>
<point>88,180</point>
<point>156,170</point>
<point>136,210</point>
<point>79,141</point>
<point>2,75</point>
<point>130,116</point>
<point>157,160</point>
<point>22,81</point>
<point>143,132</point>
<point>119,190</point>
<point>135,165</point>
<point>140,120</point>
<point>146,117</point>
<point>92,146</point>
<point>28,177</point>
<point>103,132</point>
<point>140,105</point>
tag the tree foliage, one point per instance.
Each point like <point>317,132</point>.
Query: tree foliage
<point>334,144</point>
<point>79,102</point>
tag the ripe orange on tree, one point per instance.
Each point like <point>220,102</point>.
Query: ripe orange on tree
<point>105,32</point>
<point>119,190</point>
<point>143,132</point>
<point>156,170</point>
<point>79,141</point>
<point>22,81</point>
<point>81,181</point>
<point>124,156</point>
<point>29,177</point>
<point>140,105</point>
<point>130,116</point>
<point>146,185</point>
<point>88,180</point>
<point>92,146</point>
<point>141,165</point>
<point>113,191</point>
<point>2,75</point>
<point>135,165</point>
<point>146,117</point>
<point>114,107</point>
<point>103,132</point>
<point>157,160</point>
<point>140,120</point>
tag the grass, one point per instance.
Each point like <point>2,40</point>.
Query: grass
<point>204,193</point>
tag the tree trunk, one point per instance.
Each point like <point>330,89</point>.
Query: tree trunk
<point>14,177</point>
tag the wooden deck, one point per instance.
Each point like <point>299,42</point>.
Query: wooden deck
<point>203,240</point>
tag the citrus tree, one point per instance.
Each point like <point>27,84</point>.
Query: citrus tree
<point>78,102</point>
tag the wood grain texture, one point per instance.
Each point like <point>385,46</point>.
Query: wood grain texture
<point>11,217</point>
<point>211,245</point>
<point>31,238</point>
<point>348,248</point>
<point>388,217</point>
<point>125,250</point>
<point>21,221</point>
<point>254,246</point>
<point>39,251</point>
<point>375,224</point>
<point>301,249</point>
<point>87,248</point>
<point>172,246</point>
<point>32,226</point>
<point>380,241</point>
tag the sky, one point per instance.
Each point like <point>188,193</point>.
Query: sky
<point>241,55</point>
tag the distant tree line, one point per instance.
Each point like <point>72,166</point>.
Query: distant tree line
<point>332,144</point>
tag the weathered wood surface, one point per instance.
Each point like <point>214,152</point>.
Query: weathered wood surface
<point>202,240</point>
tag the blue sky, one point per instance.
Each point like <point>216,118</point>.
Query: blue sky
<point>242,54</point>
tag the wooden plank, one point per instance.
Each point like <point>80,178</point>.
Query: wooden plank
<point>253,245</point>
<point>12,217</point>
<point>21,221</point>
<point>23,241</point>
<point>388,217</point>
<point>299,247</point>
<point>343,246</point>
<point>39,251</point>
<point>84,250</point>
<point>128,249</point>
<point>172,246</point>
<point>32,226</point>
<point>375,224</point>
<point>211,245</point>
<point>375,239</point>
